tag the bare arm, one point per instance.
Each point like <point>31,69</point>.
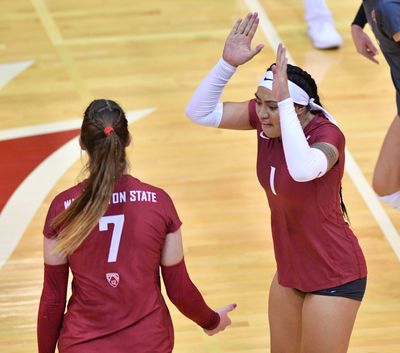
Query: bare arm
<point>49,257</point>
<point>184,294</point>
<point>361,40</point>
<point>172,252</point>
<point>330,151</point>
<point>235,116</point>
<point>363,43</point>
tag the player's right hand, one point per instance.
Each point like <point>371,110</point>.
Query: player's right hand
<point>237,49</point>
<point>363,43</point>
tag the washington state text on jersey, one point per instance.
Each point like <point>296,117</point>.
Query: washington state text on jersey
<point>121,197</point>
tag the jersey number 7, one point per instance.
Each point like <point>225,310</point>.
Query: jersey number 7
<point>118,221</point>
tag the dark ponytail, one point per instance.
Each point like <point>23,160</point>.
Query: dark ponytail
<point>304,80</point>
<point>343,206</point>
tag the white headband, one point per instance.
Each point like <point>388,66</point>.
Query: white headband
<point>297,94</point>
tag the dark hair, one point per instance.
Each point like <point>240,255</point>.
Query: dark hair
<point>304,80</point>
<point>343,206</point>
<point>107,162</point>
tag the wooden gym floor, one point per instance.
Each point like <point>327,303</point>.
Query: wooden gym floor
<point>56,56</point>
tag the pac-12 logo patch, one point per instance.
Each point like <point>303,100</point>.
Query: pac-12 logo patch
<point>113,279</point>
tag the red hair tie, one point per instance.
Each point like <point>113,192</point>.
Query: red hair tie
<point>108,130</point>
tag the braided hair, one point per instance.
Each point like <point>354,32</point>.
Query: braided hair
<point>104,134</point>
<point>304,80</point>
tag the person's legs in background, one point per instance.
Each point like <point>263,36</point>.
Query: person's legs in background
<point>321,27</point>
<point>384,18</point>
<point>386,179</point>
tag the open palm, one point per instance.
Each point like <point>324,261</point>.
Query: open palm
<point>280,89</point>
<point>237,50</point>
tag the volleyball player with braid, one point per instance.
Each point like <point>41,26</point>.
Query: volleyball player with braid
<point>114,232</point>
<point>321,271</point>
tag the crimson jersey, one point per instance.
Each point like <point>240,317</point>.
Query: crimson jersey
<point>314,246</point>
<point>116,303</point>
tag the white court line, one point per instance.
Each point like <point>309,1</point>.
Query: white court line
<point>24,202</point>
<point>373,203</point>
<point>9,71</point>
<point>267,27</point>
<point>354,172</point>
<point>40,129</point>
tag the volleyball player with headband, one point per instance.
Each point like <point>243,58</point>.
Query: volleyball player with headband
<point>321,271</point>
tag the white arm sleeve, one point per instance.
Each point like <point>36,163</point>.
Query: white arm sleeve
<point>304,163</point>
<point>203,108</point>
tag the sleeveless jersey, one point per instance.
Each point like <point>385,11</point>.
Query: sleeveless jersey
<point>314,246</point>
<point>116,303</point>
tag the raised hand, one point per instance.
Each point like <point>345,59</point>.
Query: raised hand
<point>363,43</point>
<point>280,89</point>
<point>237,49</point>
<point>225,320</point>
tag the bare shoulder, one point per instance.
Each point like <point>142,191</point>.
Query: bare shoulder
<point>236,116</point>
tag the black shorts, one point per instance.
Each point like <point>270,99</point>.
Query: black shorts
<point>352,290</point>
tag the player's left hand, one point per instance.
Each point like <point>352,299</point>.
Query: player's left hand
<point>280,88</point>
<point>224,322</point>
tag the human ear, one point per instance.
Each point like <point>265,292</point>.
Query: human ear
<point>300,109</point>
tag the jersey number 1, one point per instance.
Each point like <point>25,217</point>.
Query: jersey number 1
<point>118,221</point>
